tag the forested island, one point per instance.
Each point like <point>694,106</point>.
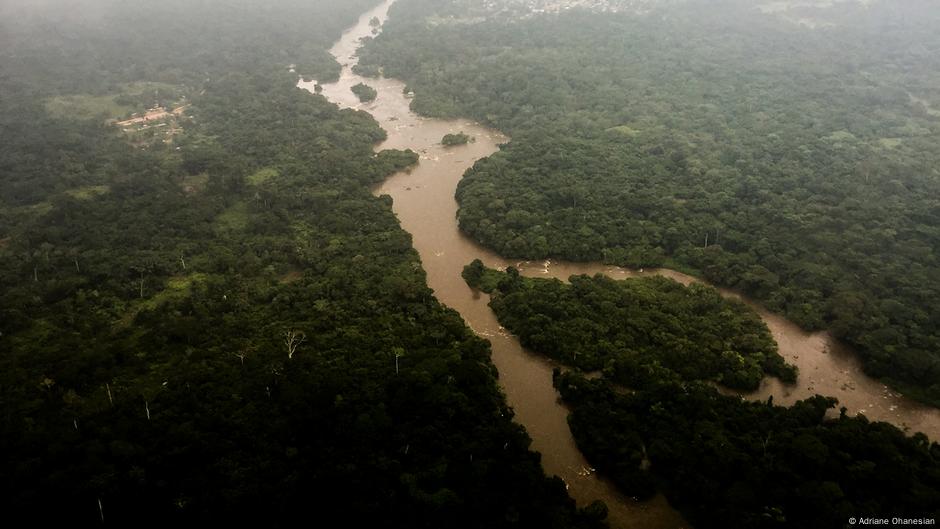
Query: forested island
<point>459,138</point>
<point>652,420</point>
<point>796,165</point>
<point>219,324</point>
<point>644,331</point>
<point>364,92</point>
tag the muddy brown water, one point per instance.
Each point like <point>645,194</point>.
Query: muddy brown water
<point>425,205</point>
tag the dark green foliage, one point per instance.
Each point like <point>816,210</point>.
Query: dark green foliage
<point>640,332</point>
<point>722,461</point>
<point>798,166</point>
<point>478,276</point>
<point>460,138</point>
<point>367,70</point>
<point>364,92</point>
<point>143,362</point>
<point>725,462</point>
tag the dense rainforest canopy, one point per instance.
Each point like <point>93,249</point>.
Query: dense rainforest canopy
<point>652,419</point>
<point>724,462</point>
<point>209,319</point>
<point>790,154</point>
<point>643,331</point>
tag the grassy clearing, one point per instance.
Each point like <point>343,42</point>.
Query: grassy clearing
<point>38,209</point>
<point>179,283</point>
<point>88,192</point>
<point>23,212</point>
<point>133,97</point>
<point>890,143</point>
<point>291,276</point>
<point>197,183</point>
<point>262,176</point>
<point>176,288</point>
<point>83,106</point>
<point>841,136</point>
<point>624,130</point>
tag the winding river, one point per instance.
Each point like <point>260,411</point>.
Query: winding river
<point>425,205</point>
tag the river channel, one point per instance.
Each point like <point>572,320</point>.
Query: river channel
<point>425,205</point>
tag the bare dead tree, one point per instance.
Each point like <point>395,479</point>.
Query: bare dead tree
<point>292,340</point>
<point>142,269</point>
<point>766,442</point>
<point>398,352</point>
<point>241,356</point>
